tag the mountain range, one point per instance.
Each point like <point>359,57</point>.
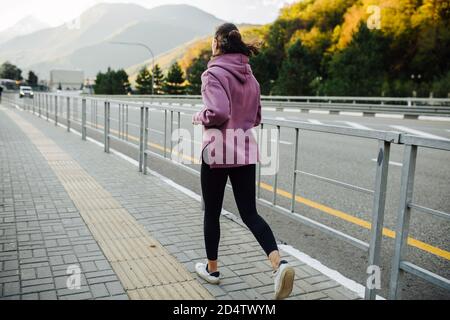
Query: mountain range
<point>26,25</point>
<point>85,43</point>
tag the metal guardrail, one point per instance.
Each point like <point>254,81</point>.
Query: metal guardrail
<point>55,107</point>
<point>370,106</point>
<point>399,265</point>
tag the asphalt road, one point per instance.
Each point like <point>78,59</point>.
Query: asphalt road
<point>342,158</point>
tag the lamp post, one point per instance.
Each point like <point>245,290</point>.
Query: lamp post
<point>416,79</point>
<point>138,44</point>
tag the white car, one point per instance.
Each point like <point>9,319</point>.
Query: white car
<point>26,91</point>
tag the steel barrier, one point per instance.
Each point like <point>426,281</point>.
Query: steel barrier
<point>369,106</point>
<point>399,265</point>
<point>71,110</point>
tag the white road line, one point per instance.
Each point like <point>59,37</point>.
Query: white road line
<point>434,118</point>
<point>419,133</point>
<point>355,125</point>
<point>391,116</point>
<point>353,114</point>
<point>313,121</point>
<point>280,118</point>
<point>156,131</point>
<point>282,142</point>
<point>319,111</point>
<point>392,163</point>
<point>328,272</point>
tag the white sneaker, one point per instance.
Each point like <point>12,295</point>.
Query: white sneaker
<point>284,280</point>
<point>202,271</point>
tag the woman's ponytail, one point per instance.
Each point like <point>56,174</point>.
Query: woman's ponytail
<point>230,40</point>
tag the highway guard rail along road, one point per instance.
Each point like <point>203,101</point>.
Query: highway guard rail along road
<point>410,108</point>
<point>83,111</point>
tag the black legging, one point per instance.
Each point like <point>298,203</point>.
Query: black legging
<point>213,182</point>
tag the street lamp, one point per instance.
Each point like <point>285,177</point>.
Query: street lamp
<point>416,79</point>
<point>138,44</point>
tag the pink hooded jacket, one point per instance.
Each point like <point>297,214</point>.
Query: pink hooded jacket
<point>232,108</point>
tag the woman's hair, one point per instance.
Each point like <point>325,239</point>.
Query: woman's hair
<point>230,40</point>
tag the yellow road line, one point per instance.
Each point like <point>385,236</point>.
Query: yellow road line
<point>357,221</point>
<point>333,212</point>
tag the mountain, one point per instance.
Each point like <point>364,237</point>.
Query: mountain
<point>25,26</point>
<point>188,51</point>
<point>86,45</point>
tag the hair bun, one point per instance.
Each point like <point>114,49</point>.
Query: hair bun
<point>234,34</point>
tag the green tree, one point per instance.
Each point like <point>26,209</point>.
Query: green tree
<point>158,79</point>
<point>297,72</point>
<point>359,69</point>
<point>174,82</point>
<point>32,79</point>
<point>144,81</point>
<point>112,82</point>
<point>195,71</point>
<point>10,71</point>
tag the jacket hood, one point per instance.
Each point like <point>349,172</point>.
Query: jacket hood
<point>235,63</point>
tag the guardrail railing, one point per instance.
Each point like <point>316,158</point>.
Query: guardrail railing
<point>75,110</point>
<point>370,106</point>
<point>399,265</point>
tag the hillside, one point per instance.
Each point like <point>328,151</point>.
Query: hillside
<point>87,47</point>
<point>25,26</point>
<point>186,53</point>
<point>329,47</point>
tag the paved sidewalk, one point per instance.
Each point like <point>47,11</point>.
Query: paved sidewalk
<point>65,202</point>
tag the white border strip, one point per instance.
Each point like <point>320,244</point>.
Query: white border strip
<point>332,274</point>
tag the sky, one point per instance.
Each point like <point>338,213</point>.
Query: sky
<point>57,12</point>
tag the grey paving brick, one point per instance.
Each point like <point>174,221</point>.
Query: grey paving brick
<point>115,288</point>
<point>77,296</point>
<point>48,295</point>
<point>30,296</point>
<point>11,288</point>
<point>236,287</point>
<point>99,290</point>
<point>28,274</point>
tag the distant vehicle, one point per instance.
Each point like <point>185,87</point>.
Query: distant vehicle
<point>26,92</point>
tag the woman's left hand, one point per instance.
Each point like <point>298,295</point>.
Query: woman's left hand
<point>195,120</point>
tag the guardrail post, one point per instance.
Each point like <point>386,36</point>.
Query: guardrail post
<point>56,110</point>
<point>107,124</point>
<point>277,159</point>
<point>46,105</point>
<point>40,104</point>
<point>165,133</point>
<point>83,120</point>
<point>294,178</point>
<point>144,150</point>
<point>141,139</point>
<point>126,122</point>
<point>260,144</point>
<point>403,217</point>
<point>379,200</point>
<point>68,114</point>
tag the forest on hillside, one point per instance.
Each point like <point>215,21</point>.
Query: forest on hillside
<point>334,47</point>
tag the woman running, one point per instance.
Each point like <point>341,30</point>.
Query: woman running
<point>231,95</point>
